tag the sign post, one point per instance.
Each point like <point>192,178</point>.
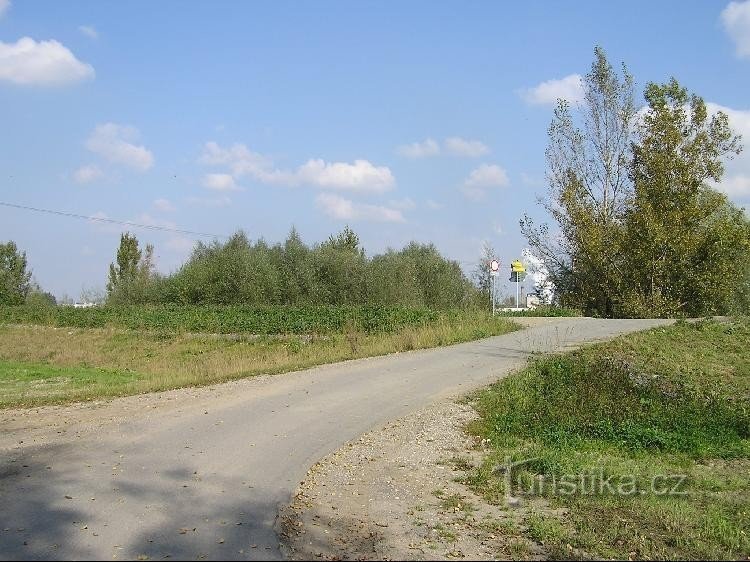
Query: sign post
<point>517,274</point>
<point>494,267</point>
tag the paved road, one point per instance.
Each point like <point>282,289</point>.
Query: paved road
<point>201,473</point>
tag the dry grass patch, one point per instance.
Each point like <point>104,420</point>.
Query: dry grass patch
<point>116,362</point>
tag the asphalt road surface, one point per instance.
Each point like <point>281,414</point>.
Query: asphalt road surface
<point>201,473</point>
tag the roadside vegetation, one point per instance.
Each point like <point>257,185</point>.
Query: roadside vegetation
<point>644,442</point>
<point>545,310</point>
<point>53,363</point>
<point>639,228</point>
<point>228,319</point>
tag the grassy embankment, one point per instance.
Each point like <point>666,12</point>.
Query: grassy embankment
<point>609,430</point>
<point>59,355</point>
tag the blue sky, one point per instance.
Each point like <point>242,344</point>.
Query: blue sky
<point>408,120</point>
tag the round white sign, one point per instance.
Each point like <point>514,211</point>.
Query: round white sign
<point>494,265</point>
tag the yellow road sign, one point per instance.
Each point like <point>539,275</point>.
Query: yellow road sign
<point>517,267</point>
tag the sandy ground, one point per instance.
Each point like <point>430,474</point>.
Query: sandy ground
<point>383,497</point>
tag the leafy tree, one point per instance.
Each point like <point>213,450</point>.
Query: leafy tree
<point>340,265</point>
<point>588,160</point>
<point>128,256</point>
<point>132,276</point>
<point>640,231</point>
<point>14,278</point>
<point>39,298</point>
<point>481,274</point>
<point>687,243</point>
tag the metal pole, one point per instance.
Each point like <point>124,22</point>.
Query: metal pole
<point>493,294</point>
<point>516,290</point>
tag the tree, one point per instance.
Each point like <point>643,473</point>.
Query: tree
<point>128,256</point>
<point>37,297</point>
<point>687,244</point>
<point>588,158</point>
<point>132,276</point>
<point>641,233</point>
<point>481,274</point>
<point>14,278</point>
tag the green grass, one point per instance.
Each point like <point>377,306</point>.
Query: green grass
<point>49,365</point>
<point>543,310</point>
<point>228,319</point>
<point>608,428</point>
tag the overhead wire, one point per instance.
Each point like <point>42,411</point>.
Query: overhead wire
<point>113,221</point>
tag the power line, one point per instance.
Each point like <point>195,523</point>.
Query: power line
<point>113,221</point>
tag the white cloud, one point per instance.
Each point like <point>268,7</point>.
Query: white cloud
<point>361,176</point>
<point>739,120</point>
<point>434,205</point>
<point>89,31</point>
<point>45,63</point>
<point>115,143</point>
<point>238,158</point>
<point>569,88</point>
<point>452,145</point>
<point>736,20</point>
<point>482,178</point>
<point>220,182</point>
<point>87,174</point>
<point>736,187</point>
<point>736,181</point>
<point>463,147</point>
<point>344,209</point>
<point>4,6</point>
<point>164,205</point>
<point>487,175</point>
<point>419,149</point>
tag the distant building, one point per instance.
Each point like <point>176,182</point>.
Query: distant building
<point>533,300</point>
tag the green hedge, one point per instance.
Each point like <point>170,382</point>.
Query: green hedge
<point>228,319</point>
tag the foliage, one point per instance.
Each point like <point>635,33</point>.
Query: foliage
<point>336,272</point>
<point>589,187</point>
<point>641,232</point>
<point>39,298</point>
<point>226,319</point>
<point>134,270</point>
<point>545,310</point>
<point>14,278</point>
<point>669,401</point>
<point>687,243</point>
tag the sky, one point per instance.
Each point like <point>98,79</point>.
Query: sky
<point>407,121</point>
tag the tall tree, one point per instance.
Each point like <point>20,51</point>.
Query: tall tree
<point>587,169</point>
<point>687,243</point>
<point>14,277</point>
<point>481,274</point>
<point>128,268</point>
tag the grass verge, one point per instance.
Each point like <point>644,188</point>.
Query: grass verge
<point>638,448</point>
<point>50,365</point>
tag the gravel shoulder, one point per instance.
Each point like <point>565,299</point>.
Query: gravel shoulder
<point>392,495</point>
